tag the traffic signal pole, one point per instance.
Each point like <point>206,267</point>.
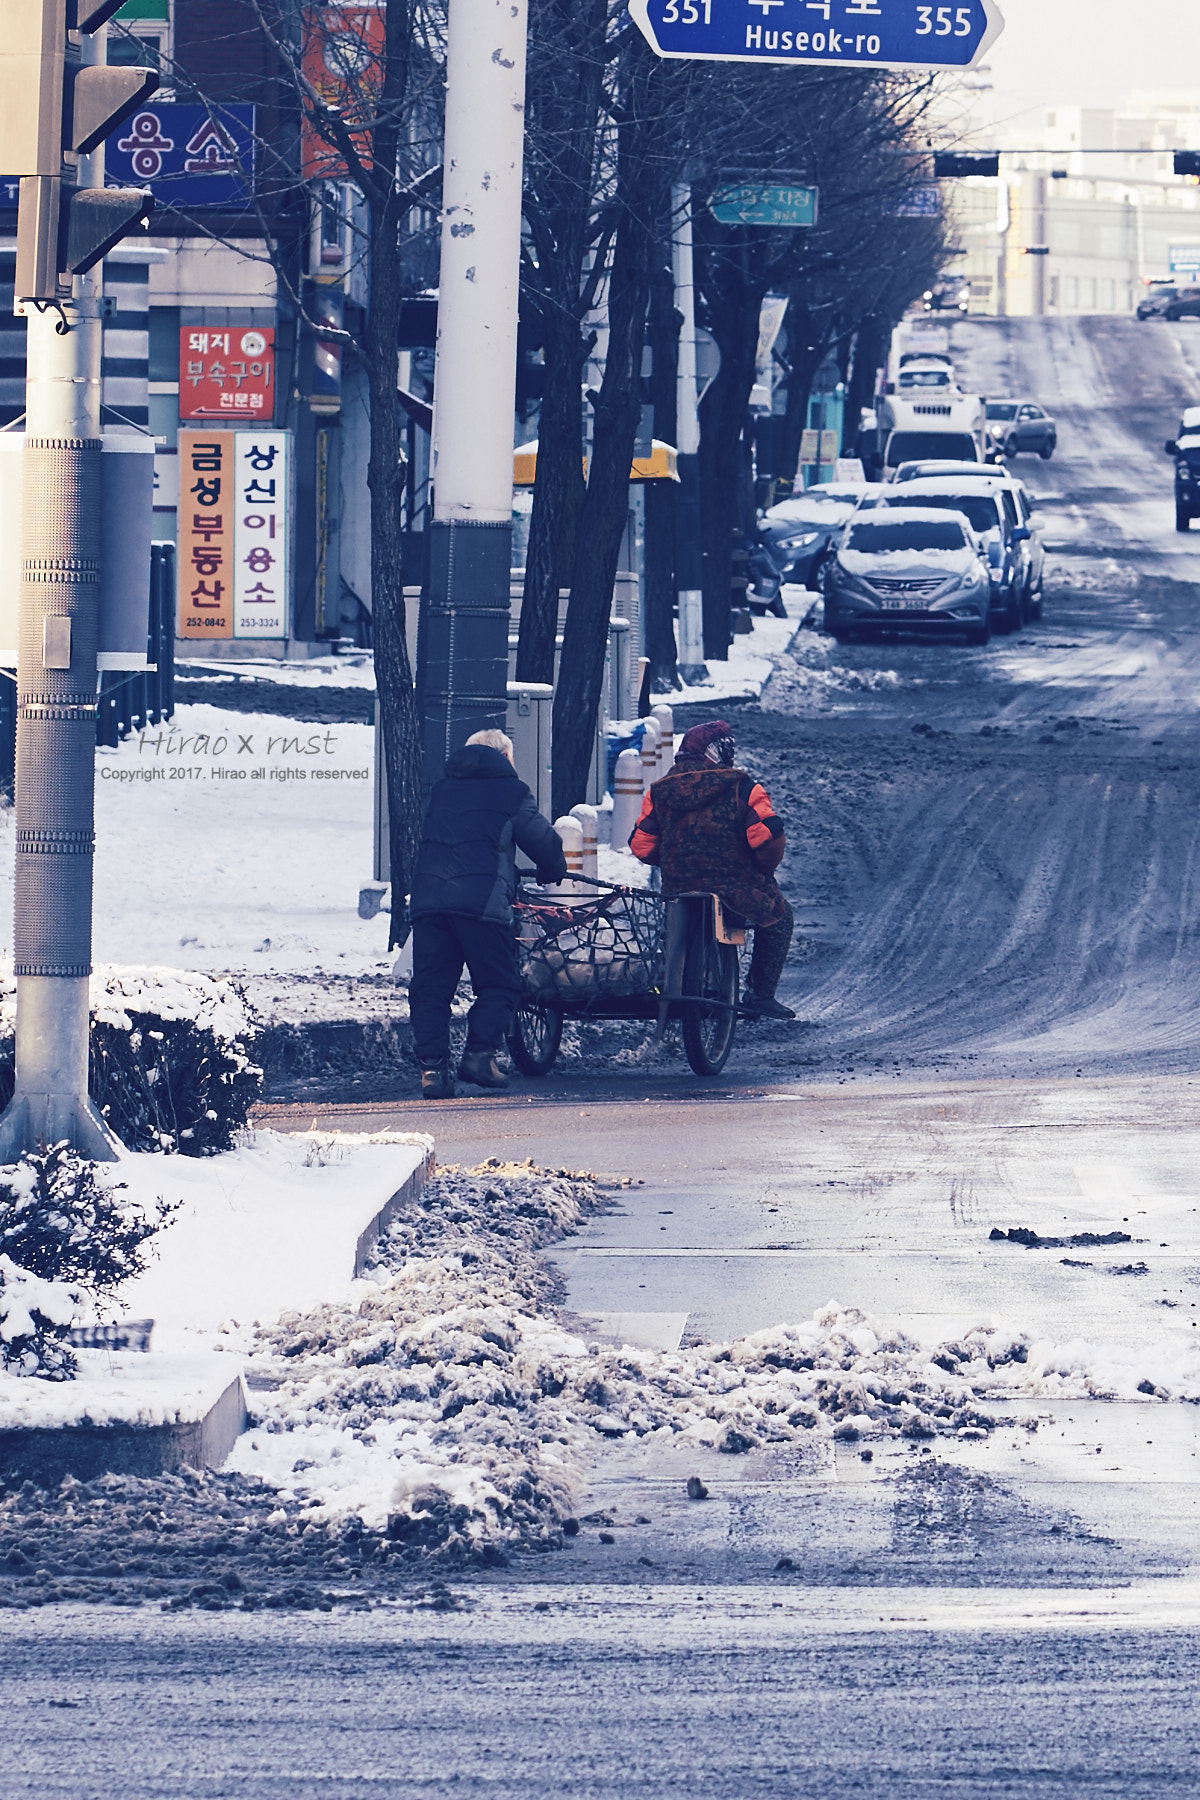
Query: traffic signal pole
<point>464,669</point>
<point>56,717</point>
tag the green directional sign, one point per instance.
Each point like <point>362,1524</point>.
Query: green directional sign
<point>757,203</point>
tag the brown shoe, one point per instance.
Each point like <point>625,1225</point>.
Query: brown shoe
<point>437,1083</point>
<point>481,1068</point>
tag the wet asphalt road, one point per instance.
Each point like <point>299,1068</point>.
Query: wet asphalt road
<point>995,975</point>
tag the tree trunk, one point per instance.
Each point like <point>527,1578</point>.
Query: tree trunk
<point>563,93</point>
<point>614,433</point>
<point>557,499</point>
<point>658,609</point>
<point>393,674</point>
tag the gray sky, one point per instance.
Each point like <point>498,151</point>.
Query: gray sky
<point>1089,53</point>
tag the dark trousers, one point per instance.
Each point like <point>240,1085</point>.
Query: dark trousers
<point>442,943</point>
<point>771,944</point>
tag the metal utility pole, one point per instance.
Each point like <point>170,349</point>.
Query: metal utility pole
<point>65,225</point>
<point>688,554</point>
<point>465,641</point>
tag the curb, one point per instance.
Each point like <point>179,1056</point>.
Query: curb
<point>45,1454</point>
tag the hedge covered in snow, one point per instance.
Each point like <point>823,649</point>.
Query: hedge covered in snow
<point>67,1242</point>
<point>171,1067</point>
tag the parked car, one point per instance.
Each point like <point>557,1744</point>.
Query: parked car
<point>1157,297</point>
<point>991,508</point>
<point>1016,425</point>
<point>908,569</point>
<point>1034,549</point>
<point>1186,451</point>
<point>794,537</point>
<point>1183,305</point>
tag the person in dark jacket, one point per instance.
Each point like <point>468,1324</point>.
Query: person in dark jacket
<point>465,879</point>
<point>711,827</point>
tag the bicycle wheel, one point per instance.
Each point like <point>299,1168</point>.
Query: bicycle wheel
<point>534,1037</point>
<point>709,1022</point>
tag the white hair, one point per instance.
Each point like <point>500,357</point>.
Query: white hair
<point>494,740</point>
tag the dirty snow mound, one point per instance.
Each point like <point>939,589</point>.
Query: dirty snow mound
<point>448,1398</point>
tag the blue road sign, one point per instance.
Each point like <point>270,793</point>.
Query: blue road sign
<point>892,34</point>
<point>769,203</point>
<point>1185,259</point>
<point>186,155</point>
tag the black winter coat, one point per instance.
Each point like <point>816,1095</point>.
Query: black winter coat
<point>479,813</point>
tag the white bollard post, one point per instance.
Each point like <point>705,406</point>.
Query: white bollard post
<point>666,725</point>
<point>589,824</point>
<point>627,797</point>
<point>571,833</point>
<point>650,746</point>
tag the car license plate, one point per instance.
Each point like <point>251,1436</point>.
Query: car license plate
<point>907,604</point>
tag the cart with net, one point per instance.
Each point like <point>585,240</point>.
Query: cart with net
<point>625,953</point>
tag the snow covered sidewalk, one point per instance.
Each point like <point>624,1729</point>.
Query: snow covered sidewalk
<point>279,1223</point>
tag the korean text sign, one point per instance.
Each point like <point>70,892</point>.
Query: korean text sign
<point>234,524</point>
<point>186,155</point>
<point>226,373</point>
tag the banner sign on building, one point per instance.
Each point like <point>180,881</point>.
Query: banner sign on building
<point>234,526</point>
<point>227,372</point>
<point>186,155</point>
<point>260,534</point>
<point>342,60</point>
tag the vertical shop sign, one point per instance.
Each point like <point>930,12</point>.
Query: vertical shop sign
<point>342,61</point>
<point>261,534</point>
<point>206,498</point>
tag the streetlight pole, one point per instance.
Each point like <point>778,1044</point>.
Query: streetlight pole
<point>688,554</point>
<point>465,641</point>
<point>56,714</point>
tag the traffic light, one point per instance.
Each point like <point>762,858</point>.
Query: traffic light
<point>55,108</point>
<point>1187,162</point>
<point>947,162</point>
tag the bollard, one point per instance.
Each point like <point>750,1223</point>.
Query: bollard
<point>571,833</point>
<point>666,725</point>
<point>627,797</point>
<point>651,743</point>
<point>589,824</point>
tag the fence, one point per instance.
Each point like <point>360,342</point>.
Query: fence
<point>131,701</point>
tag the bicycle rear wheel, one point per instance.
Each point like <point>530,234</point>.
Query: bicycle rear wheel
<point>709,1022</point>
<point>534,1037</point>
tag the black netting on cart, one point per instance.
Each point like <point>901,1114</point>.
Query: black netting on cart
<point>595,950</point>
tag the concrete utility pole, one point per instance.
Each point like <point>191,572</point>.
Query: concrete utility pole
<point>63,226</point>
<point>688,555</point>
<point>465,640</point>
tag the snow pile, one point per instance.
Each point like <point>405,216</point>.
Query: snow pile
<point>807,674</point>
<point>446,1398</point>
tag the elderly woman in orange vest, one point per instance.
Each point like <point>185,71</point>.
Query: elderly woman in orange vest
<point>710,826</point>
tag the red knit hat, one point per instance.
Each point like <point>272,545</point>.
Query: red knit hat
<point>712,744</point>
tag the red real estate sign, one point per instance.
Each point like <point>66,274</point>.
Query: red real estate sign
<point>227,372</point>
